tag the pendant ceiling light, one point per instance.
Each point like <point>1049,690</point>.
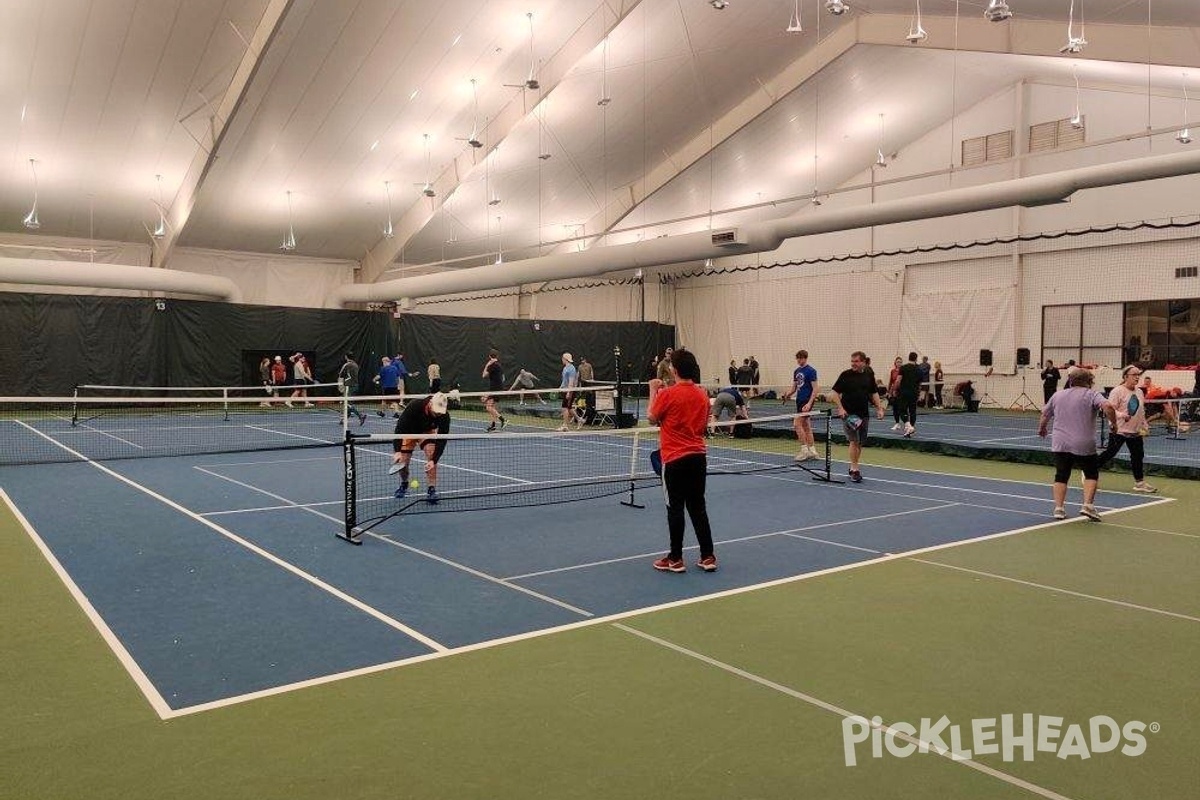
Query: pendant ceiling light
<point>427,187</point>
<point>388,231</point>
<point>836,7</point>
<point>499,240</point>
<point>473,139</point>
<point>794,24</point>
<point>604,98</point>
<point>880,161</point>
<point>531,82</point>
<point>1077,117</point>
<point>160,231</point>
<point>1075,44</point>
<point>289,244</point>
<point>31,219</point>
<point>997,11</point>
<point>1184,136</point>
<point>916,33</point>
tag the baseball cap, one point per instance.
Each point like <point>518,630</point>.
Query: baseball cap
<point>438,403</point>
<point>567,358</point>
<point>279,358</point>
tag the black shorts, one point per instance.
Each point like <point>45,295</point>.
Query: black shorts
<point>568,399</point>
<point>390,391</point>
<point>1064,462</point>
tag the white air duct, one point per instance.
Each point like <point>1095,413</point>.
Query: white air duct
<point>40,272</point>
<point>764,236</point>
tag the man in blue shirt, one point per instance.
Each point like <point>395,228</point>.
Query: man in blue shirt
<point>804,388</point>
<point>570,380</point>
<point>389,380</point>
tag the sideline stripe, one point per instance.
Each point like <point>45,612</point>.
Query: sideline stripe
<point>1059,589</point>
<point>338,593</point>
<point>140,678</point>
<point>841,712</point>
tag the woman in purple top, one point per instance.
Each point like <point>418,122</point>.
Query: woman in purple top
<point>1073,441</point>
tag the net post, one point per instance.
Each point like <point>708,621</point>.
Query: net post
<point>75,408</point>
<point>225,402</point>
<point>617,400</point>
<point>632,501</point>
<point>827,474</point>
<point>350,508</point>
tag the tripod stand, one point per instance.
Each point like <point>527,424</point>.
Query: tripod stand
<point>986,398</point>
<point>1023,402</point>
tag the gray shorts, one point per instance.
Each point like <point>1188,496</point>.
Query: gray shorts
<point>858,434</point>
<point>724,402</point>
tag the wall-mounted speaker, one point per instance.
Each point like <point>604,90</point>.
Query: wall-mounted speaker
<point>985,358</point>
<point>1022,356</point>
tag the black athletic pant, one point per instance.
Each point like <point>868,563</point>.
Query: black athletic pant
<point>1137,453</point>
<point>908,408</point>
<point>683,480</point>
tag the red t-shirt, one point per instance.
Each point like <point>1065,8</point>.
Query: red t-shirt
<point>682,414</point>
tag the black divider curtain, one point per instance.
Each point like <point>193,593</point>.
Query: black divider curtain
<point>461,345</point>
<point>51,343</point>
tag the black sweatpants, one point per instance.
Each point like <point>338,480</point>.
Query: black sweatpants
<point>1137,453</point>
<point>908,408</point>
<point>683,480</point>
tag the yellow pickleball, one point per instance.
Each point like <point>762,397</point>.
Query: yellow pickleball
<point>414,484</point>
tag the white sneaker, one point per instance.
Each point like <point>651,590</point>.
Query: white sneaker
<point>897,427</point>
<point>1060,513</point>
<point>1090,512</point>
<point>308,405</point>
<point>288,403</point>
<point>909,430</point>
<point>810,453</point>
<point>562,428</point>
<point>1142,486</point>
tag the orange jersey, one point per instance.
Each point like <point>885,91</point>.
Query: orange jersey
<point>682,414</point>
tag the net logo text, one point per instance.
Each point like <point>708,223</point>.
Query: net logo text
<point>1026,735</point>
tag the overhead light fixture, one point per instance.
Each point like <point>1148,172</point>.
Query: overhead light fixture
<point>880,161</point>
<point>1184,136</point>
<point>719,5</point>
<point>543,153</point>
<point>794,24</point>
<point>708,263</point>
<point>427,186</point>
<point>160,231</point>
<point>604,98</point>
<point>997,11</point>
<point>531,82</point>
<point>473,139</point>
<point>489,179</point>
<point>388,231</point>
<point>499,240</point>
<point>289,244</point>
<point>836,7</point>
<point>1075,44</point>
<point>816,201</point>
<point>1077,118</point>
<point>916,33</point>
<point>31,219</point>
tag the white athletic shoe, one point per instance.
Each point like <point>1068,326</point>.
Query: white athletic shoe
<point>562,428</point>
<point>1090,512</point>
<point>1060,513</point>
<point>897,427</point>
<point>1142,486</point>
<point>909,430</point>
<point>810,453</point>
<point>288,403</point>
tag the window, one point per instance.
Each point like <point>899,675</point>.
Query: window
<point>1187,272</point>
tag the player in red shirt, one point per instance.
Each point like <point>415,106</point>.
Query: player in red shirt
<point>681,412</point>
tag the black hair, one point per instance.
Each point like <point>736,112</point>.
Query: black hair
<point>686,365</point>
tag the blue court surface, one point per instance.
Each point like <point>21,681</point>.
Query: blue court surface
<point>219,577</point>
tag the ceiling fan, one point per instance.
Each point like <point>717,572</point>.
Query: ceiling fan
<point>531,82</point>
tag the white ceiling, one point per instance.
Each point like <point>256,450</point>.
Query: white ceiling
<point>107,94</point>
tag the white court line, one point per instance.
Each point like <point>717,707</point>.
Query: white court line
<point>106,633</point>
<point>85,427</point>
<point>1058,589</point>
<point>748,538</point>
<point>315,581</point>
<point>461,567</point>
<point>1152,530</point>
<point>843,544</point>
<point>1007,439</point>
<point>841,712</point>
<point>485,645</point>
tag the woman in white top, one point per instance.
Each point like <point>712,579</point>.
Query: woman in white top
<point>1130,405</point>
<point>302,376</point>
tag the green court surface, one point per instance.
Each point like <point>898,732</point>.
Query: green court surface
<point>733,697</point>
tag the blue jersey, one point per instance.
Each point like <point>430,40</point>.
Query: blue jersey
<point>803,379</point>
<point>569,377</point>
<point>389,376</point>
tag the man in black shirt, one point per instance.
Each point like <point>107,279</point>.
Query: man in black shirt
<point>493,370</point>
<point>348,378</point>
<point>852,394</point>
<point>908,392</point>
<point>418,420</point>
<point>1050,378</point>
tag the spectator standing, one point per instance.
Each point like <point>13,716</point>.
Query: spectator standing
<point>733,373</point>
<point>755,376</point>
<point>681,412</point>
<point>1050,378</point>
<point>587,377</point>
<point>893,394</point>
<point>745,377</point>
<point>853,393</point>
<point>926,389</point>
<point>264,375</point>
<point>1130,406</point>
<point>570,381</point>
<point>1072,413</point>
<point>804,389</point>
<point>939,380</point>
<point>278,375</point>
<point>434,373</point>
<point>301,378</point>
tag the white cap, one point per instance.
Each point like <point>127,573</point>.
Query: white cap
<point>567,357</point>
<point>438,404</point>
<point>279,358</point>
